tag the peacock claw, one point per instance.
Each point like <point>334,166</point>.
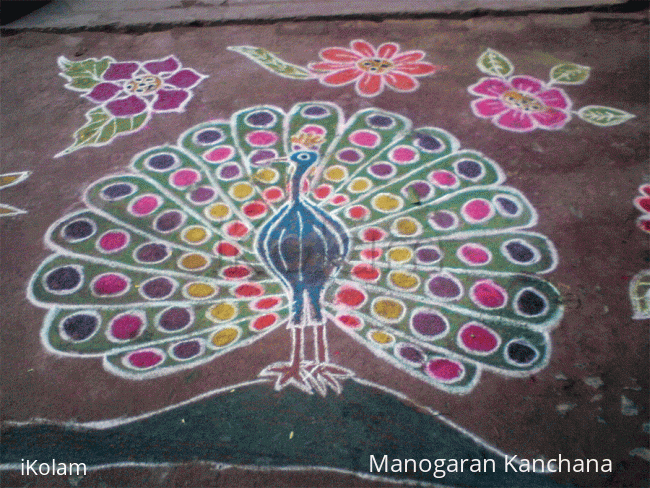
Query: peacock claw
<point>308,376</point>
<point>323,375</point>
<point>289,374</point>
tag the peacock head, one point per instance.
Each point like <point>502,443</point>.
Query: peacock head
<point>303,159</point>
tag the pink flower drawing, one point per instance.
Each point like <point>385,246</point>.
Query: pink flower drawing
<point>372,69</point>
<point>131,88</point>
<point>520,103</point>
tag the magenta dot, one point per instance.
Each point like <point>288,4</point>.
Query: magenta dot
<point>349,156</point>
<point>185,177</point>
<point>262,138</point>
<point>474,254</point>
<point>443,178</point>
<point>219,154</point>
<point>477,209</point>
<point>478,338</point>
<point>113,241</point>
<point>145,205</point>
<point>429,324</point>
<point>444,369</point>
<point>404,155</point>
<point>365,138</point>
<point>145,359</point>
<point>110,284</point>
<point>126,327</point>
<point>445,288</point>
<point>488,294</point>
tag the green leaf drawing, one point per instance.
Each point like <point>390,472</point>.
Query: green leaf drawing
<point>493,62</point>
<point>83,75</point>
<point>603,116</point>
<point>101,128</point>
<point>640,295</point>
<point>569,74</point>
<point>272,63</point>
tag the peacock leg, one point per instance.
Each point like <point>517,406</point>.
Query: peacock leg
<point>292,372</point>
<point>323,373</point>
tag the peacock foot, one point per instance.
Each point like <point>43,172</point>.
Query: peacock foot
<point>322,375</point>
<point>289,374</point>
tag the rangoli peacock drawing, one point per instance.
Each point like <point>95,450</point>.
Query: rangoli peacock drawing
<point>408,243</point>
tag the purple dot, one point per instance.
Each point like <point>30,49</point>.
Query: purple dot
<point>229,172</point>
<point>520,252</point>
<point>186,350</point>
<point>421,189</point>
<point>202,195</point>
<point>117,191</point>
<point>428,143</point>
<point>175,318</point>
<point>428,255</point>
<point>79,229</point>
<point>508,206</point>
<point>315,111</point>
<point>469,169</point>
<point>169,221</point>
<point>262,155</point>
<point>381,121</point>
<point>260,119</point>
<point>161,162</point>
<point>152,253</point>
<point>443,219</point>
<point>521,352</point>
<point>157,288</point>
<point>349,156</point>
<point>412,354</point>
<point>126,327</point>
<point>428,324</point>
<point>444,287</point>
<point>63,279</point>
<point>382,170</point>
<point>208,136</point>
<point>81,326</point>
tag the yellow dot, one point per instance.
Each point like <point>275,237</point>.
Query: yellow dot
<point>359,185</point>
<point>222,312</point>
<point>388,308</point>
<point>241,191</point>
<point>381,337</point>
<point>407,226</point>
<point>336,173</point>
<point>218,212</point>
<point>195,235</point>
<point>267,175</point>
<point>385,202</point>
<point>225,337</point>
<point>200,290</point>
<point>193,261</point>
<point>403,280</point>
<point>400,254</point>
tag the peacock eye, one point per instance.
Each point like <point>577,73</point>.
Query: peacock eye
<point>303,156</point>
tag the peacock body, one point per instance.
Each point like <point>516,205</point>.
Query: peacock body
<point>410,244</point>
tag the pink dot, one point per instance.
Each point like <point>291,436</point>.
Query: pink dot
<point>322,192</point>
<point>185,177</point>
<point>373,234</point>
<point>264,321</point>
<point>237,229</point>
<point>372,253</point>
<point>254,209</point>
<point>478,338</point>
<point>475,254</point>
<point>126,327</point>
<point>236,272</point>
<point>145,205</point>
<point>113,241</point>
<point>489,294</point>
<point>350,296</point>
<point>443,178</point>
<point>365,272</point>
<point>219,154</point>
<point>339,199</point>
<point>444,370</point>
<point>145,359</point>
<point>358,212</point>
<point>110,284</point>
<point>350,321</point>
<point>273,194</point>
<point>365,138</point>
<point>313,129</point>
<point>477,210</point>
<point>262,138</point>
<point>403,155</point>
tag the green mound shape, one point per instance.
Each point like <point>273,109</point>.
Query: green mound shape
<point>252,426</point>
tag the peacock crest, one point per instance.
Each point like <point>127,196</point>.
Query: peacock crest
<point>408,243</point>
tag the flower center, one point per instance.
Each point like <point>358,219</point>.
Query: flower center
<point>143,85</point>
<point>375,65</point>
<point>522,102</point>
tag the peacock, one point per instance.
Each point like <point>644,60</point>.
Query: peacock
<point>406,242</point>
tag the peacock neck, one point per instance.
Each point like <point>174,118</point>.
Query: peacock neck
<point>296,181</point>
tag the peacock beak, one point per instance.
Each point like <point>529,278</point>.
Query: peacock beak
<point>269,162</point>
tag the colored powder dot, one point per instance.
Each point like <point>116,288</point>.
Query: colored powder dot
<point>254,209</point>
<point>161,162</point>
<point>266,175</point>
<point>185,177</point>
<point>230,172</point>
<point>350,296</point>
<point>531,303</point>
<point>227,249</point>
<point>323,191</point>
<point>403,155</point>
<point>382,170</point>
<point>260,119</point>
<point>110,284</point>
<point>200,290</point>
<point>400,254</point>
<point>152,253</point>
<point>349,156</point>
<point>387,203</point>
<point>339,199</point>
<point>507,205</point>
<point>262,155</point>
<point>273,194</point>
<point>475,254</point>
<point>469,169</point>
<point>365,272</point>
<point>78,230</point>
<point>479,338</point>
<point>264,321</point>
<point>236,272</point>
<point>241,191</point>
<point>63,279</point>
<point>381,121</point>
<point>427,142</point>
<point>117,191</point>
<point>175,318</point>
<point>488,294</point>
<point>249,290</point>
<point>262,138</point>
<point>225,337</point>
<point>195,235</point>
<point>223,311</point>
<point>388,308</point>
<point>315,111</point>
<point>187,350</point>
<point>314,129</point>
<point>373,234</point>
<point>169,221</point>
<point>444,369</point>
<point>219,154</point>
<point>113,241</point>
<point>358,212</point>
<point>477,209</point>
<point>80,326</point>
<point>237,229</point>
<point>202,195</point>
<point>411,353</point>
<point>429,324</point>
<point>336,173</point>
<point>193,261</point>
<point>520,252</point>
<point>372,253</point>
<point>421,190</point>
<point>350,321</point>
<point>208,136</point>
<point>443,220</point>
<point>521,352</point>
<point>428,255</point>
<point>445,288</point>
<point>126,327</point>
<point>218,211</point>
<point>145,359</point>
<point>406,226</point>
<point>145,205</point>
<point>266,303</point>
<point>381,337</point>
<point>359,185</point>
<point>405,281</point>
<point>365,138</point>
<point>157,288</point>
<point>443,178</point>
